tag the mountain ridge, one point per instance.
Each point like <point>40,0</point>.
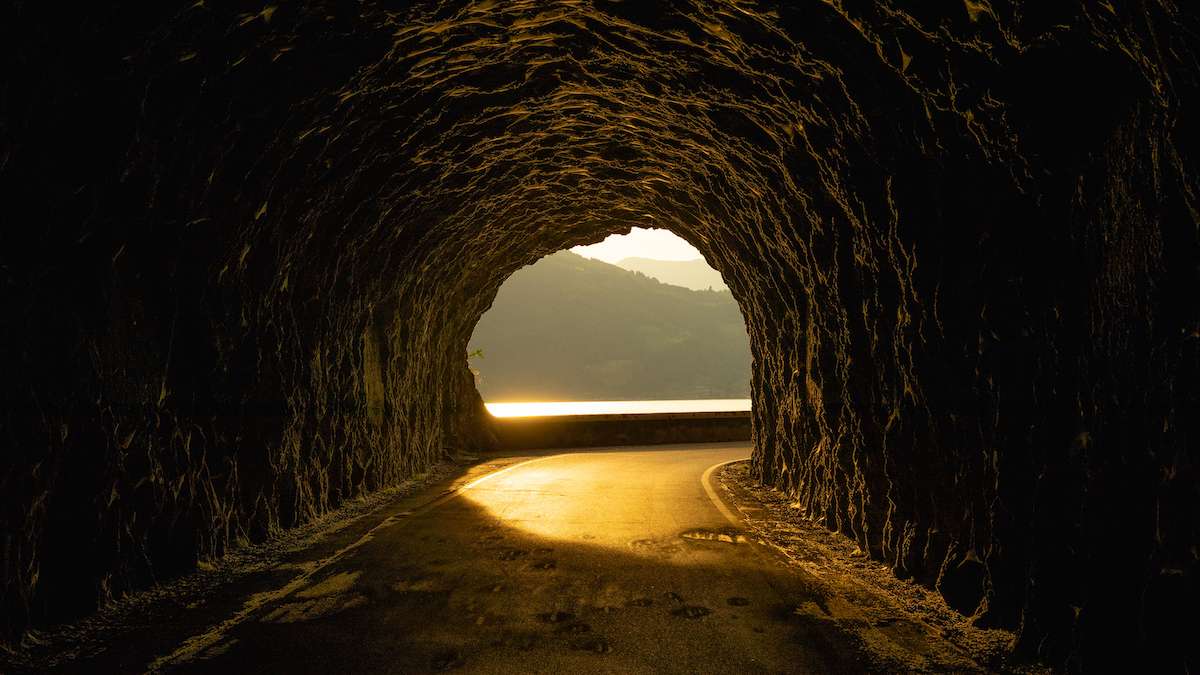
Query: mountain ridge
<point>576,329</point>
<point>694,274</point>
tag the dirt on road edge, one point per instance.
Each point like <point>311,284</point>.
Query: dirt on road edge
<point>904,610</point>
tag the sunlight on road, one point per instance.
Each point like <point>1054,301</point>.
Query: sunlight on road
<point>649,502</point>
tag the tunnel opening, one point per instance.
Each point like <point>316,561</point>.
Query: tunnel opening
<point>590,325</point>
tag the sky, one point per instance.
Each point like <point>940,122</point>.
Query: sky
<point>640,243</point>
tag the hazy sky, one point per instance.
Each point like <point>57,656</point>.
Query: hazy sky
<point>640,243</point>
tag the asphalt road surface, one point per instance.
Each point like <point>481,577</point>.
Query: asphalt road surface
<point>607,561</point>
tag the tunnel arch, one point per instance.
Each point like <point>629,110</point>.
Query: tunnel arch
<point>951,231</point>
<point>627,319</point>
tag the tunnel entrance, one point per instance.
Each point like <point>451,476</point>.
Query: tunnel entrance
<point>242,256</point>
<point>640,321</point>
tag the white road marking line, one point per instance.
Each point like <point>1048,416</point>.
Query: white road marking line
<point>514,466</point>
<point>193,646</point>
<point>712,494</point>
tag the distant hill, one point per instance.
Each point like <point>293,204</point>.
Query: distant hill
<point>571,328</point>
<point>693,274</point>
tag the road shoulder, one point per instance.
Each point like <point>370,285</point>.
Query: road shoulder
<point>911,617</point>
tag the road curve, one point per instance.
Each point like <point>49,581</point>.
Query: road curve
<point>607,561</point>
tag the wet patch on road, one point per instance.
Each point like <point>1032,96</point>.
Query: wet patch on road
<point>655,547</point>
<point>691,611</point>
<point>738,602</point>
<point>727,535</point>
<point>567,624</point>
<point>595,645</point>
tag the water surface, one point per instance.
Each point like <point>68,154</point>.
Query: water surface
<point>549,408</point>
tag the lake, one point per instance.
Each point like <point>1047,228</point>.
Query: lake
<point>550,408</point>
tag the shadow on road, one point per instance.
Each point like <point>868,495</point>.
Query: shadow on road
<point>437,582</point>
<point>456,589</point>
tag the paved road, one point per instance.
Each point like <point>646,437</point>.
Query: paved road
<point>611,561</point>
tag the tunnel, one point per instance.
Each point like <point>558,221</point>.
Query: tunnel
<point>244,246</point>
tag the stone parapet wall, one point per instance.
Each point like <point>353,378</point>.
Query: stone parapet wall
<point>575,431</point>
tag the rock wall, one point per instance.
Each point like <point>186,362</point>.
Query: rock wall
<point>243,253</point>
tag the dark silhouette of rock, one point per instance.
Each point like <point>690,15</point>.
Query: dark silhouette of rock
<point>241,255</point>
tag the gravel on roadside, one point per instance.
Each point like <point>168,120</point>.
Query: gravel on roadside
<point>777,521</point>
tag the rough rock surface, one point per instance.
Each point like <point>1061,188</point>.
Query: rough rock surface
<point>243,251</point>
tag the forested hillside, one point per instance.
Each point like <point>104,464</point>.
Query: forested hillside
<point>574,328</point>
<point>693,274</point>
